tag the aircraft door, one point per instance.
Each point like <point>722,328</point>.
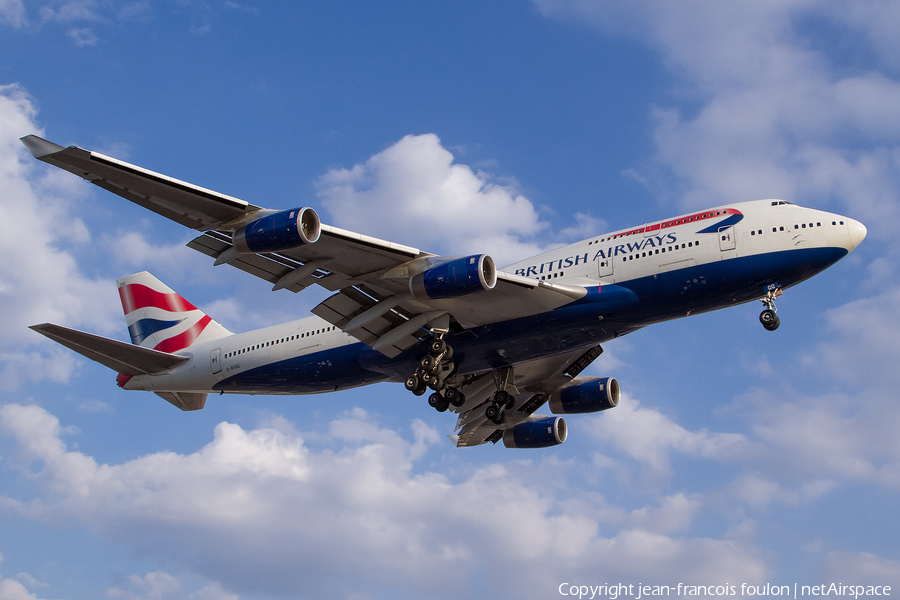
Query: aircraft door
<point>606,267</point>
<point>215,360</point>
<point>727,239</point>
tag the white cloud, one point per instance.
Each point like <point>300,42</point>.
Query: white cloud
<point>160,585</point>
<point>12,12</point>
<point>70,11</point>
<point>860,569</point>
<point>413,193</point>
<point>82,36</point>
<point>650,437</point>
<point>353,520</point>
<point>770,116</point>
<point>39,280</point>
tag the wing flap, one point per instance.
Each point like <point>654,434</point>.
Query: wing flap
<point>342,308</point>
<point>121,357</point>
<point>535,380</point>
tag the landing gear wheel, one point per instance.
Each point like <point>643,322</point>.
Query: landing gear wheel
<point>504,399</point>
<point>428,363</point>
<point>438,347</point>
<point>452,395</point>
<point>769,319</point>
<point>494,414</point>
<point>436,383</point>
<point>438,402</point>
<point>419,391</point>
<point>412,383</point>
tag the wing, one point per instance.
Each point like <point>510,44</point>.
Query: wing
<point>382,294</point>
<point>535,382</point>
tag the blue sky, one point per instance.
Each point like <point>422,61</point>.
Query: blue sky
<point>735,456</point>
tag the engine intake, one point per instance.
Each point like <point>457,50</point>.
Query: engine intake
<point>538,432</point>
<point>279,231</point>
<point>600,393</point>
<point>455,278</point>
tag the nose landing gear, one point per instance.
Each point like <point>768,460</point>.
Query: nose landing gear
<point>769,317</point>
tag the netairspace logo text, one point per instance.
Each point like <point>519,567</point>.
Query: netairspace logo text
<point>639,591</point>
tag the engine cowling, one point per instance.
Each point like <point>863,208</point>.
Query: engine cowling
<point>538,432</point>
<point>279,231</point>
<point>454,278</point>
<point>597,394</point>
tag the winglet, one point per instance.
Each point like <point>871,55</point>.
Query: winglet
<point>40,147</point>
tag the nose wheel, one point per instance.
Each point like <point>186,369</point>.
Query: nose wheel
<point>769,317</point>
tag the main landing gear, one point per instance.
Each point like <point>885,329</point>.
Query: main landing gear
<point>502,399</point>
<point>434,370</point>
<point>768,317</point>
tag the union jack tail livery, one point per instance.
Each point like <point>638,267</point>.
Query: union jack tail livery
<point>160,319</point>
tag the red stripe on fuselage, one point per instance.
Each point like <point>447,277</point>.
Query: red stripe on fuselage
<point>135,296</point>
<point>702,216</point>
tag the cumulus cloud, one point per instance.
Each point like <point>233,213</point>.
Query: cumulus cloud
<point>40,280</point>
<point>12,12</point>
<point>860,569</point>
<point>413,192</point>
<point>160,585</point>
<point>650,437</point>
<point>772,116</point>
<point>83,36</point>
<point>261,511</point>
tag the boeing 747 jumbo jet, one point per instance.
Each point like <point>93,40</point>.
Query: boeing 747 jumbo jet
<point>492,345</point>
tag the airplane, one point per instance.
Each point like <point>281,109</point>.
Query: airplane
<point>493,345</point>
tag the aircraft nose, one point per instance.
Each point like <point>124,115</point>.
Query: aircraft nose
<point>857,232</point>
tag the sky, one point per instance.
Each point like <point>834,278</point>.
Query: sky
<point>736,455</point>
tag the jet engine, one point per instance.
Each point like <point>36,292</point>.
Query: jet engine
<point>593,395</point>
<point>278,231</point>
<point>539,431</point>
<point>455,277</point>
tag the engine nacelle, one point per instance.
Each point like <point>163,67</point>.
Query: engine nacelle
<point>278,231</point>
<point>538,432</point>
<point>455,278</point>
<point>597,394</point>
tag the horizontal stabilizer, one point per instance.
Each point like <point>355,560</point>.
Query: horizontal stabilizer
<point>184,400</point>
<point>121,357</point>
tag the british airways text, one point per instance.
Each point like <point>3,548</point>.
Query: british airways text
<point>579,259</point>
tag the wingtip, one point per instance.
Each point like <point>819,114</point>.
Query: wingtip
<point>40,147</point>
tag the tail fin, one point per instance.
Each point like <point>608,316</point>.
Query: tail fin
<point>161,319</point>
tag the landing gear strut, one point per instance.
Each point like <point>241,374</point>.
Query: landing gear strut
<point>434,369</point>
<point>769,317</point>
<point>502,399</point>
